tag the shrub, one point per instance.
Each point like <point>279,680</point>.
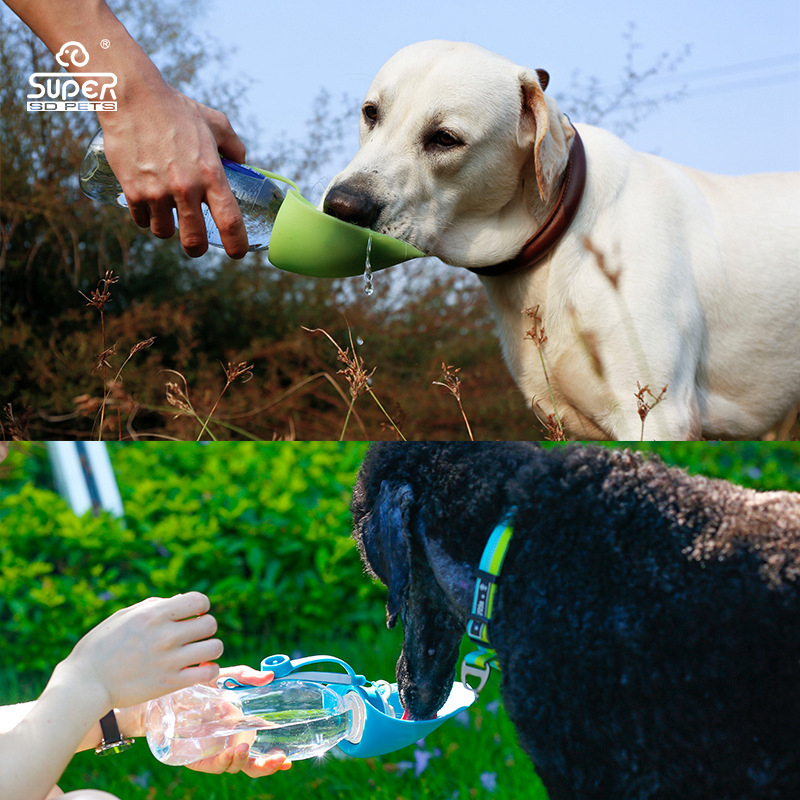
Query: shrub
<point>263,529</point>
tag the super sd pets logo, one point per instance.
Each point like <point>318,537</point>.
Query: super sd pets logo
<point>59,91</point>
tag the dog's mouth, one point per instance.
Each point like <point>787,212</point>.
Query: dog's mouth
<point>407,716</point>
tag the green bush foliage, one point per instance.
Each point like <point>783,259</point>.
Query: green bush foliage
<point>263,529</point>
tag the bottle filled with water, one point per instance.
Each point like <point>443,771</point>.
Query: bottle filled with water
<point>258,197</point>
<point>301,719</point>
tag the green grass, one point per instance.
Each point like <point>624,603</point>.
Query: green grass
<point>472,756</point>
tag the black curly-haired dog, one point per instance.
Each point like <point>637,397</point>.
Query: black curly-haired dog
<point>647,622</point>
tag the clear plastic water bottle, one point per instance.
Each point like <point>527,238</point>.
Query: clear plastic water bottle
<point>301,719</point>
<point>258,197</point>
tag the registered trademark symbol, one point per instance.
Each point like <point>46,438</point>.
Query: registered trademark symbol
<point>105,44</point>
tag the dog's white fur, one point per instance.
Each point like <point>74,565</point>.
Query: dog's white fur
<point>464,154</point>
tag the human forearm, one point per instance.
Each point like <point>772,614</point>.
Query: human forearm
<point>43,730</point>
<point>13,715</point>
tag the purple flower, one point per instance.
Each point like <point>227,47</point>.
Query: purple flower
<point>489,781</point>
<point>421,759</point>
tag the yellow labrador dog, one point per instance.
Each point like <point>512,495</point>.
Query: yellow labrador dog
<point>624,269</point>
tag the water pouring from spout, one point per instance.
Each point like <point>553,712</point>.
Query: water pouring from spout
<point>368,287</point>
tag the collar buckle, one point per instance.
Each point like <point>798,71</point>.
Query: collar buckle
<point>469,671</point>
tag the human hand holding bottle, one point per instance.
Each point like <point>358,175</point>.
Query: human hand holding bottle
<point>236,758</point>
<point>163,146</point>
<point>165,152</point>
<point>154,647</point>
<point>159,646</point>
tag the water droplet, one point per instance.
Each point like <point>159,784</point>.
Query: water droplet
<point>368,287</point>
<point>359,341</point>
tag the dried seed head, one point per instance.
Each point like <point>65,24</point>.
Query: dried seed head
<point>15,427</point>
<point>177,397</point>
<point>536,334</point>
<point>355,372</point>
<point>102,294</point>
<point>241,370</point>
<point>450,380</point>
<point>102,358</point>
<point>643,405</point>
<point>141,346</point>
<point>555,432</point>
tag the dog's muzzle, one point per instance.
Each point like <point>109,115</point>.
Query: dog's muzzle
<point>351,202</point>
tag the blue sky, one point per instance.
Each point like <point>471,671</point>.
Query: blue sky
<point>742,112</point>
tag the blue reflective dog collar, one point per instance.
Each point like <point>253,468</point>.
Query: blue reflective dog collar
<point>479,662</point>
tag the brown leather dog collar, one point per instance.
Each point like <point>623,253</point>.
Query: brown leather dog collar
<point>548,236</point>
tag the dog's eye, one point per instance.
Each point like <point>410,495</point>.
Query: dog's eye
<point>444,139</point>
<point>370,112</point>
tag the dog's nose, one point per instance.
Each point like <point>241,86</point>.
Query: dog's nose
<point>352,203</point>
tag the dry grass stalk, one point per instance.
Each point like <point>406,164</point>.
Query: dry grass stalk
<point>600,258</point>
<point>452,383</point>
<point>99,299</point>
<point>112,389</point>
<point>233,372</point>
<point>401,417</point>
<point>537,335</point>
<point>299,387</point>
<point>645,406</point>
<point>178,396</point>
<point>358,379</point>
<point>588,341</point>
<point>15,428</point>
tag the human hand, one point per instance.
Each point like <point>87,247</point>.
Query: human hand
<point>164,149</point>
<point>147,650</point>
<point>235,759</point>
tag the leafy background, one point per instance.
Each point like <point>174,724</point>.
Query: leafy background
<point>264,530</point>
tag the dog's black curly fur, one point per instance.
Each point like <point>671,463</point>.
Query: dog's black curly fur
<point>647,621</point>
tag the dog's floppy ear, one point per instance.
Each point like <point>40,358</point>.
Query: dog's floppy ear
<point>387,544</point>
<point>544,78</point>
<point>543,125</point>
